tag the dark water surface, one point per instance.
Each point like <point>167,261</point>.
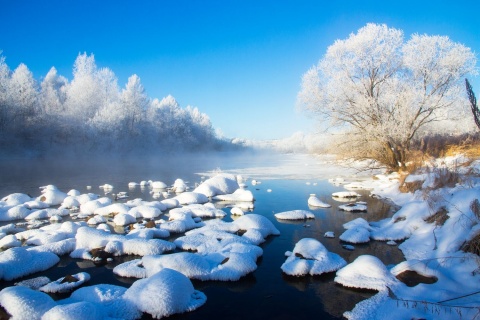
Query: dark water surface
<point>286,182</point>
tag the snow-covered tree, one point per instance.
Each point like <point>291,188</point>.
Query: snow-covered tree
<point>83,92</point>
<point>53,93</point>
<point>4,83</point>
<point>134,103</point>
<point>22,96</point>
<point>383,90</point>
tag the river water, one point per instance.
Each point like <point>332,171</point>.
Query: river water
<point>286,182</point>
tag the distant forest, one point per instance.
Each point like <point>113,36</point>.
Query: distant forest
<point>92,114</point>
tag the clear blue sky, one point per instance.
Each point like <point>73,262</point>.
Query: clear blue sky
<point>240,62</point>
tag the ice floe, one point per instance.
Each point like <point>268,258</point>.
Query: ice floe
<point>310,257</point>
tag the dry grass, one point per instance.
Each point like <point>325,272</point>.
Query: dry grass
<point>438,217</point>
<point>444,177</point>
<point>471,149</point>
<point>475,207</point>
<point>472,246</point>
<point>410,186</point>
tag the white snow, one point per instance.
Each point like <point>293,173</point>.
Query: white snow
<point>353,207</point>
<point>19,262</point>
<point>345,194</point>
<point>366,272</point>
<point>165,293</point>
<point>158,185</point>
<point>238,195</point>
<point>222,183</point>
<point>310,257</point>
<point>112,209</point>
<point>179,186</point>
<point>295,215</point>
<point>194,197</point>
<point>236,211</point>
<point>24,303</point>
<point>315,202</point>
<point>57,286</point>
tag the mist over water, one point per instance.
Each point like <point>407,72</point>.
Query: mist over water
<point>286,182</point>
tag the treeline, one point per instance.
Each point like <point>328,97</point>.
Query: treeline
<point>91,113</point>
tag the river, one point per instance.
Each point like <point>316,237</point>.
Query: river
<point>286,182</point>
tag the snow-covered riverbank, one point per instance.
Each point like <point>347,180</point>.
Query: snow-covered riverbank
<point>435,224</point>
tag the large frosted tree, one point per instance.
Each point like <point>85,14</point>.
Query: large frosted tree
<point>382,90</point>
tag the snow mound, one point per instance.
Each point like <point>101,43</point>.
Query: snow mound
<point>257,227</point>
<point>315,202</point>
<point>78,310</point>
<point>345,194</point>
<point>179,186</point>
<point>15,199</point>
<point>51,195</point>
<point>112,209</point>
<point>186,198</point>
<point>220,184</point>
<point>24,303</point>
<point>353,207</point>
<point>356,234</point>
<point>110,297</point>
<point>238,195</point>
<point>17,212</point>
<point>311,257</point>
<point>165,293</point>
<point>61,286</point>
<point>295,215</point>
<point>19,262</point>
<point>236,211</point>
<point>366,272</point>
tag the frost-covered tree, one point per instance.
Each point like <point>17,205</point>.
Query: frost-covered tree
<point>83,92</point>
<point>53,93</point>
<point>4,82</point>
<point>382,90</point>
<point>134,103</point>
<point>22,97</point>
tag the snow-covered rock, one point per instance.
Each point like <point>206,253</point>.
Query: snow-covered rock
<point>365,272</point>
<point>165,293</point>
<point>295,215</point>
<point>23,303</point>
<point>220,184</point>
<point>315,202</point>
<point>310,257</point>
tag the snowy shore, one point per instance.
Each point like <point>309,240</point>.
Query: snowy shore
<point>437,221</point>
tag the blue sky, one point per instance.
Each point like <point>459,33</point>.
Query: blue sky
<point>240,62</point>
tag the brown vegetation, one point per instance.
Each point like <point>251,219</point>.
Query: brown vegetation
<point>438,217</point>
